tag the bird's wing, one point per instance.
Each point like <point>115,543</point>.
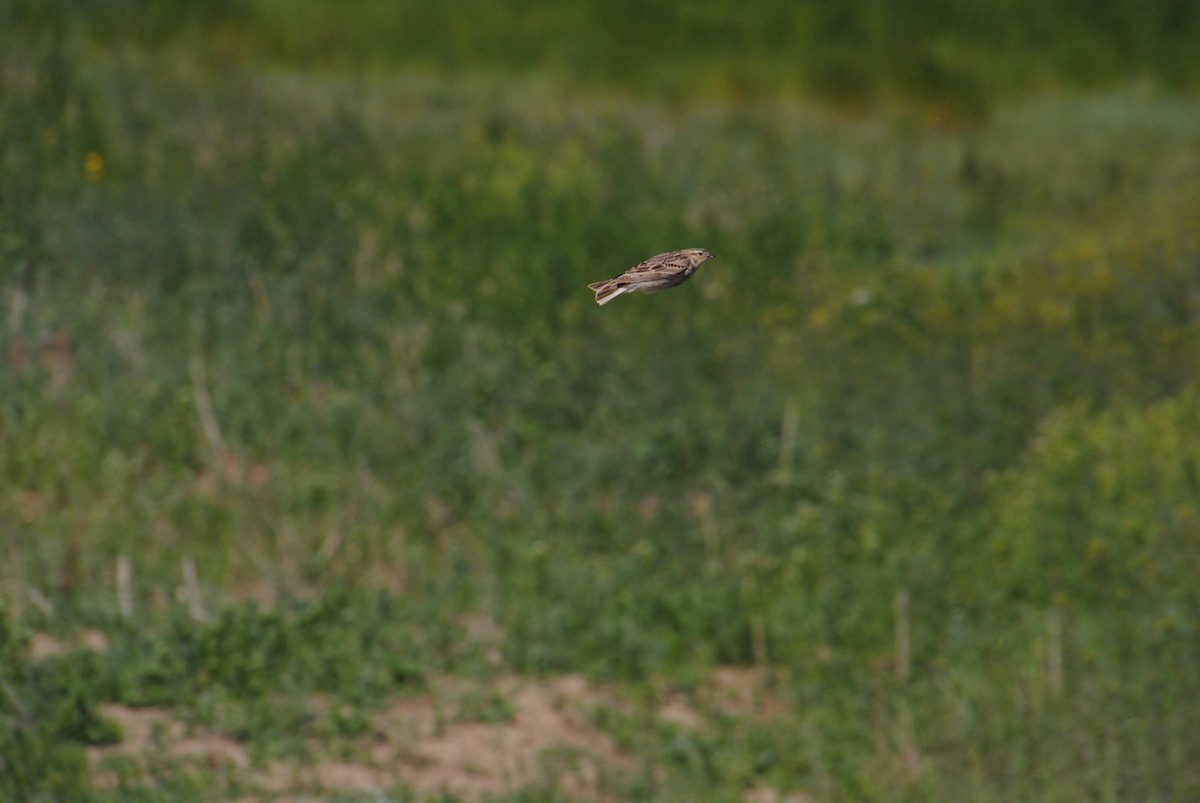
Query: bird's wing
<point>662,266</point>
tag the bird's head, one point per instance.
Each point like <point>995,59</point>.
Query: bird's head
<point>698,256</point>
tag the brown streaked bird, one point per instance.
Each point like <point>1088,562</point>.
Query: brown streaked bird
<point>656,273</point>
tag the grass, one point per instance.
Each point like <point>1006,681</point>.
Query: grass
<point>303,400</point>
<point>957,57</point>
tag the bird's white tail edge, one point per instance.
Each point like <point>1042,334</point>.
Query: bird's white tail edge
<point>607,294</point>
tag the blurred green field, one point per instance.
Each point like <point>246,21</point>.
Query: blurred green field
<point>956,54</point>
<point>305,407</point>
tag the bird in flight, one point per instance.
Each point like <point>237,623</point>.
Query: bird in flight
<point>656,273</point>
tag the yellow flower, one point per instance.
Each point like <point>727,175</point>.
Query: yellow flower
<point>93,166</point>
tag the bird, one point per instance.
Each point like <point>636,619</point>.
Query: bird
<point>656,273</point>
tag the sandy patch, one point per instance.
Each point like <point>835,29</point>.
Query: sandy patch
<point>462,737</point>
<point>43,645</point>
<point>743,692</point>
<point>468,738</point>
<point>150,730</point>
<point>548,739</point>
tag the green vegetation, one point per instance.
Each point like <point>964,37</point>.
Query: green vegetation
<point>300,383</point>
<point>956,54</point>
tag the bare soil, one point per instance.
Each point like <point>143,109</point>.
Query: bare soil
<point>430,744</point>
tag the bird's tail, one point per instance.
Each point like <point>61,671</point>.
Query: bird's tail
<point>608,290</point>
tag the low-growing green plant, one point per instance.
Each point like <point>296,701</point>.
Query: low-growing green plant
<point>1104,511</point>
<point>44,724</point>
